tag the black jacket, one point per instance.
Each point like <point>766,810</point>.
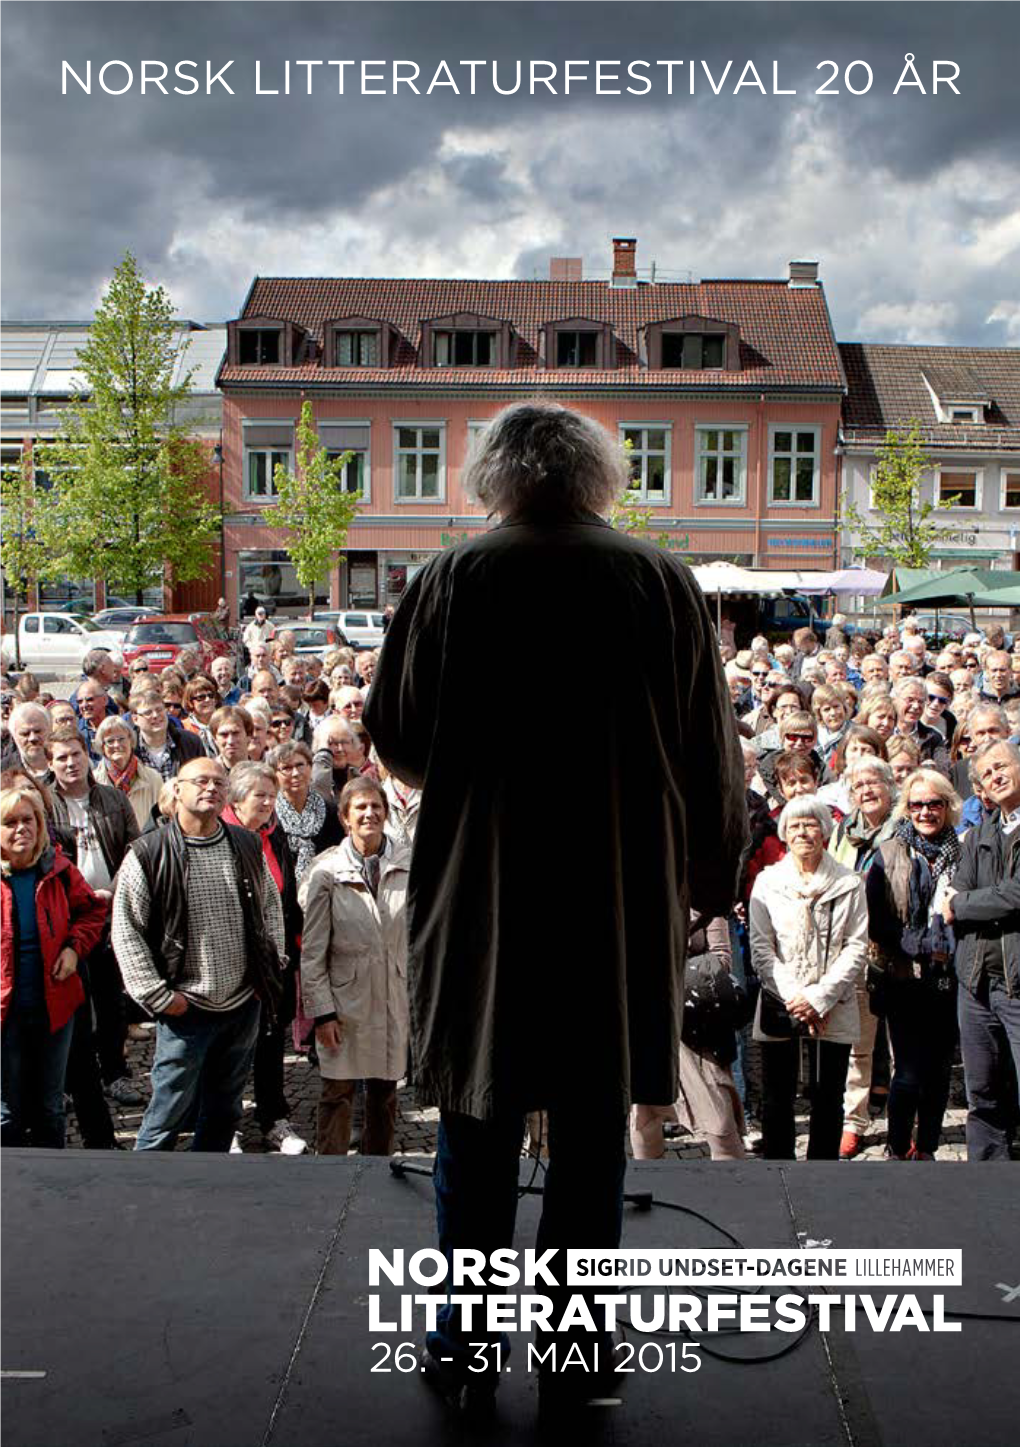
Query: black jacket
<point>546,971</point>
<point>163,855</point>
<point>987,903</point>
<point>112,818</point>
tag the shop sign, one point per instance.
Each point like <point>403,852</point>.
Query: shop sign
<point>800,545</point>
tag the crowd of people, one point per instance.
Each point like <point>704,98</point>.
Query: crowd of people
<point>229,858</point>
<point>223,857</point>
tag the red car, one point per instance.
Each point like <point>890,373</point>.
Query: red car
<point>159,640</point>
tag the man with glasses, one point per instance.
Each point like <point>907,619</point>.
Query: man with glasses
<point>93,702</point>
<point>198,931</point>
<point>162,743</point>
<point>983,907</point>
<point>106,669</point>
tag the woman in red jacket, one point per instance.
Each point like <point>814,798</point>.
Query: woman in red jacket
<point>50,919</point>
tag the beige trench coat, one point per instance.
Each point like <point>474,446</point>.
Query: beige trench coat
<point>354,961</point>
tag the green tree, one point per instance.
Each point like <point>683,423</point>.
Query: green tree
<point>24,557</point>
<point>313,507</point>
<point>128,500</point>
<point>906,531</point>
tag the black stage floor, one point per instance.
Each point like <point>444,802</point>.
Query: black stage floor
<point>182,1301</point>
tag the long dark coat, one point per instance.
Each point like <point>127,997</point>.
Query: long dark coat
<point>569,819</point>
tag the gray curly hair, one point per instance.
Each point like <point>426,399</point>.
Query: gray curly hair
<point>539,457</point>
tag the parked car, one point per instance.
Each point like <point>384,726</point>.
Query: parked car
<point>57,641</point>
<point>315,637</point>
<point>122,618</point>
<point>951,626</point>
<point>364,627</point>
<point>159,640</point>
<point>80,605</point>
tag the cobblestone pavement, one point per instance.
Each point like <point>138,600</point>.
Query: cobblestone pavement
<point>417,1124</point>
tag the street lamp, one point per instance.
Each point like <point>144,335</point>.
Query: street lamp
<point>218,458</point>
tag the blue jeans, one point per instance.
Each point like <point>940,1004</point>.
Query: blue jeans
<point>989,1035</point>
<point>476,1183</point>
<point>33,1063</point>
<point>198,1074</point>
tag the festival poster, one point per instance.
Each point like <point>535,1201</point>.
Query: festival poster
<point>228,1302</point>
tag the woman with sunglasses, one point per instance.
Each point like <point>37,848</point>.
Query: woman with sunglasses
<point>912,959</point>
<point>201,700</point>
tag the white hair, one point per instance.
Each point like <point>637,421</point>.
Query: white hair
<point>540,457</point>
<point>806,806</point>
<point>21,711</point>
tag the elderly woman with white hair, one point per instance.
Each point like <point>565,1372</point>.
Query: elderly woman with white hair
<point>121,768</point>
<point>809,935</point>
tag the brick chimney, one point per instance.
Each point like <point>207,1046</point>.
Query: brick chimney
<point>566,268</point>
<point>624,261</point>
<point>803,273</point>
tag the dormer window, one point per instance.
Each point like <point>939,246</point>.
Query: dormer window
<point>266,342</point>
<point>578,342</point>
<point>576,349</point>
<point>465,339</point>
<point>957,395</point>
<point>463,349</point>
<point>260,347</point>
<point>357,342</point>
<point>356,349</point>
<point>692,344</point>
<point>692,351</point>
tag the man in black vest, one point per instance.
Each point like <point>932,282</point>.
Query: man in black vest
<point>198,931</point>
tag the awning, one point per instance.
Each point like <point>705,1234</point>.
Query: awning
<point>984,587</point>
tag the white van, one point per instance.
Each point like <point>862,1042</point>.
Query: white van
<point>364,627</point>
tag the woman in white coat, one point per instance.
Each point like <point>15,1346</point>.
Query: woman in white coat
<point>809,936</point>
<point>354,972</point>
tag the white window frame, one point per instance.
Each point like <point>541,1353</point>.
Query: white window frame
<point>366,490</point>
<point>260,499</point>
<point>816,476</point>
<point>1005,473</point>
<point>418,425</point>
<point>979,488</point>
<point>700,500</point>
<point>640,493</point>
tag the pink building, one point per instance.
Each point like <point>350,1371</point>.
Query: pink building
<point>729,393</point>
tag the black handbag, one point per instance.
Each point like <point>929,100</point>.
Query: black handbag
<point>775,1018</point>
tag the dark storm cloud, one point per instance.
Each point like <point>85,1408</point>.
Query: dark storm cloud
<point>141,172</point>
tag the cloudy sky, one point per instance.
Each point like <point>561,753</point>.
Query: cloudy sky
<point>910,201</point>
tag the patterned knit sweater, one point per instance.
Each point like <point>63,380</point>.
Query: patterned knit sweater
<point>213,973</point>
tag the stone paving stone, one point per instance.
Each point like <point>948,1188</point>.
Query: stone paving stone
<point>417,1124</point>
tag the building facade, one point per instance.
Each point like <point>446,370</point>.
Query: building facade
<point>39,378</point>
<point>728,392</point>
<point>966,401</point>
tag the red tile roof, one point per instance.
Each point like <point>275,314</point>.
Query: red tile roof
<point>786,336</point>
<point>887,390</point>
